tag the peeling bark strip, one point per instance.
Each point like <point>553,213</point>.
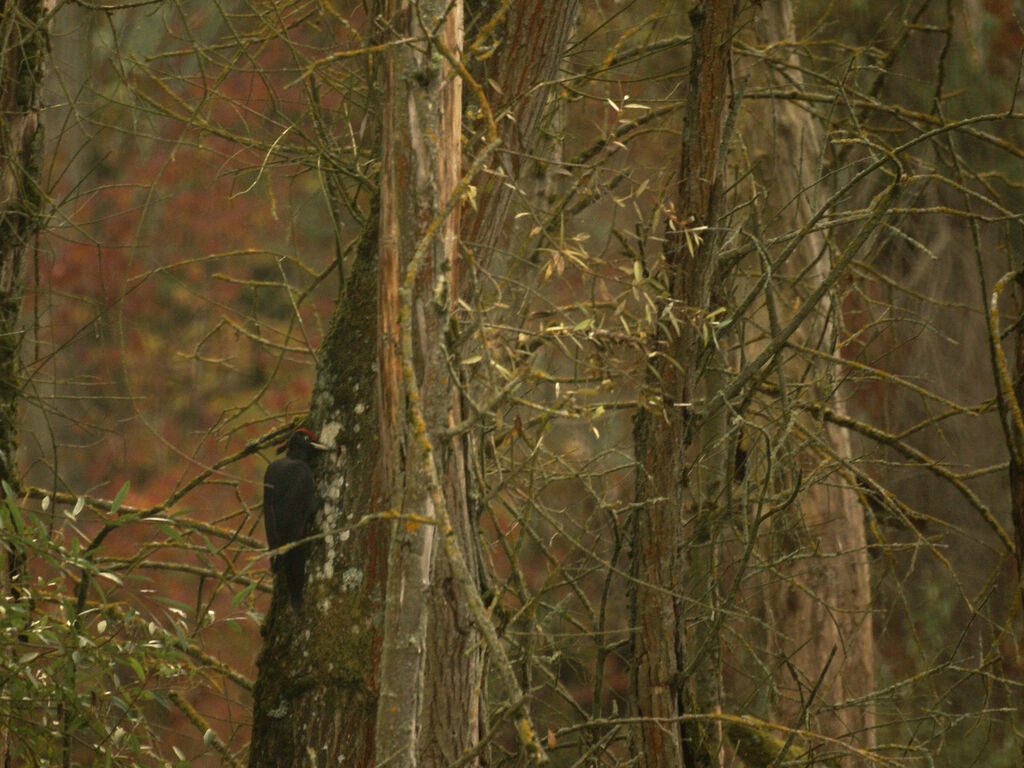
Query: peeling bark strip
<point>664,438</point>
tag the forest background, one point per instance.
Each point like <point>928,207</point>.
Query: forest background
<point>702,353</point>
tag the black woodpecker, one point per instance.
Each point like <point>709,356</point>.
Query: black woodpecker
<point>289,503</point>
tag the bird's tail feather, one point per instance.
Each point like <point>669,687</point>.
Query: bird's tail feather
<point>294,572</point>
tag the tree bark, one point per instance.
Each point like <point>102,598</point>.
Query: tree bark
<point>820,603</point>
<point>320,673</point>
<point>671,600</point>
<point>23,215</point>
<point>517,81</point>
<point>22,200</point>
<point>316,692</point>
<point>418,256</point>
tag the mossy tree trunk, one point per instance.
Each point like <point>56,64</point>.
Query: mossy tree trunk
<point>23,32</point>
<point>316,689</point>
<point>22,201</point>
<point>320,672</point>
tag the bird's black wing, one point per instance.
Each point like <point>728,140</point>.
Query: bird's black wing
<point>273,502</point>
<point>289,503</point>
<point>289,499</point>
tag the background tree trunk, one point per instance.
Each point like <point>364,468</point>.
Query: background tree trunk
<point>517,81</point>
<point>820,603</point>
<point>23,214</point>
<point>818,600</point>
<point>22,200</point>
<point>675,651</point>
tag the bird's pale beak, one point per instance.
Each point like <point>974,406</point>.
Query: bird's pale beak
<point>319,446</point>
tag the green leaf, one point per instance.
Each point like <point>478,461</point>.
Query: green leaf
<point>137,667</point>
<point>119,499</point>
<point>169,530</point>
<point>239,597</point>
<point>14,514</point>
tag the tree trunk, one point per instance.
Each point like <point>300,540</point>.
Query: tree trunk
<point>819,605</point>
<point>22,200</point>
<point>672,597</point>
<point>516,81</point>
<point>320,673</point>
<point>22,216</point>
<point>417,720</point>
<point>316,689</point>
